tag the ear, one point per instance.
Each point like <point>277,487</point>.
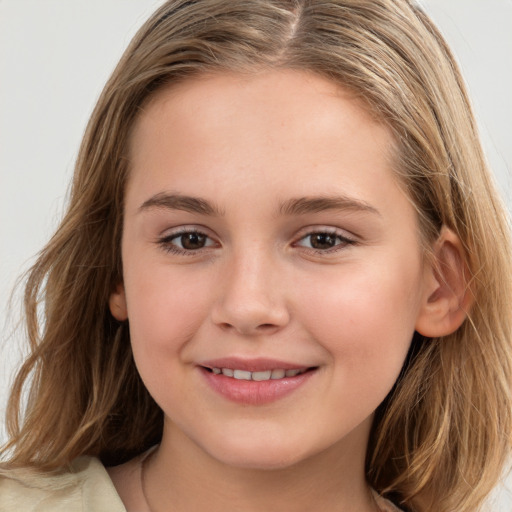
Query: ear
<point>447,298</point>
<point>117,303</point>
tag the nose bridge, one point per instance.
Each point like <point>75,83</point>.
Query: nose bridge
<point>251,299</point>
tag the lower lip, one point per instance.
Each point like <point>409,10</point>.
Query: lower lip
<point>252,392</point>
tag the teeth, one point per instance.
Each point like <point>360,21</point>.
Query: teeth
<point>242,375</point>
<point>276,374</point>
<point>261,375</point>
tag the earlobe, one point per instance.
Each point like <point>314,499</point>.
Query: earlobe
<point>117,303</point>
<point>447,298</point>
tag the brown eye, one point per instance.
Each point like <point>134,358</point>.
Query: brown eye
<point>192,241</point>
<point>186,242</point>
<point>325,241</point>
<point>322,240</point>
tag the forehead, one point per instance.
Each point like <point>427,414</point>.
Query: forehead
<point>218,96</point>
<point>210,115</point>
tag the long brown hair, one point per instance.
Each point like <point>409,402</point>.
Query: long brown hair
<point>440,440</point>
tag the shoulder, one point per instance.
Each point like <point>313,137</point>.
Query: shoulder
<point>85,488</point>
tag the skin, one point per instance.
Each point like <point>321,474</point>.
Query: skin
<point>249,146</point>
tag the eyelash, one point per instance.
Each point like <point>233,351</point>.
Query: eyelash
<point>168,245</point>
<point>343,241</point>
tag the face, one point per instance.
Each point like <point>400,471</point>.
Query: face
<point>273,276</point>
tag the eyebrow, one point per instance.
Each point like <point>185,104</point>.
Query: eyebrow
<point>181,202</point>
<point>294,206</point>
<point>303,205</point>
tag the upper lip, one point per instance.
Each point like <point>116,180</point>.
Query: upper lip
<point>259,364</point>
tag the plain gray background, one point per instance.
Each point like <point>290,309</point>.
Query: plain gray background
<point>55,56</point>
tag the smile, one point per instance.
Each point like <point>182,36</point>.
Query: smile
<point>275,374</point>
<point>255,382</point>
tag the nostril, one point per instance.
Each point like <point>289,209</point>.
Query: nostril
<point>248,329</point>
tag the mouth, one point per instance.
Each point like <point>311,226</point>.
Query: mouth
<point>255,382</point>
<point>258,376</point>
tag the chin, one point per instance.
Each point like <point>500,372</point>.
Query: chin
<point>259,461</point>
<point>245,454</point>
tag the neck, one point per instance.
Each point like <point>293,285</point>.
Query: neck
<point>181,473</point>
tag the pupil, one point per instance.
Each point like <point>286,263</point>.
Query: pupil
<point>193,241</point>
<point>323,241</point>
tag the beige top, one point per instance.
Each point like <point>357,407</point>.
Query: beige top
<point>87,488</point>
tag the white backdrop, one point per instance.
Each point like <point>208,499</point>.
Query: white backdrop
<point>55,56</point>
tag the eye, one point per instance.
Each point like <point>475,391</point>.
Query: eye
<point>186,241</point>
<point>190,241</point>
<point>324,241</point>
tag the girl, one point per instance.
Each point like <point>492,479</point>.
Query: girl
<point>283,280</point>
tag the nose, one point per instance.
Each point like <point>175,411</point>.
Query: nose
<point>252,300</point>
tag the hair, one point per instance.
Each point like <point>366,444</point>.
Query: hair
<point>441,438</point>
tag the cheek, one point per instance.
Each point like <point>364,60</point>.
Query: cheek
<point>165,309</point>
<point>364,319</point>
<point>365,340</point>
